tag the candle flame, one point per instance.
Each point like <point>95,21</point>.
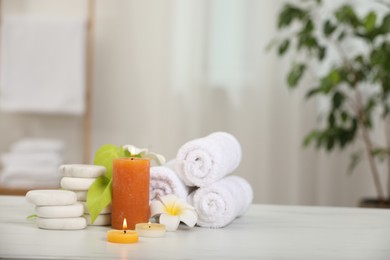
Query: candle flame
<point>124,224</point>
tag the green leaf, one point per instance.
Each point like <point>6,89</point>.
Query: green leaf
<point>385,27</point>
<point>330,81</point>
<point>295,74</point>
<point>313,91</point>
<point>105,155</point>
<point>33,216</point>
<point>330,142</point>
<point>99,196</point>
<point>329,28</point>
<point>355,159</point>
<point>338,100</point>
<point>288,14</point>
<point>331,120</point>
<point>310,137</point>
<point>341,36</point>
<point>346,14</point>
<point>344,116</point>
<point>369,21</point>
<point>283,47</point>
<point>380,153</point>
<point>321,53</point>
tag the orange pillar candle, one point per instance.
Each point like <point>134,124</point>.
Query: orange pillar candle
<point>130,192</point>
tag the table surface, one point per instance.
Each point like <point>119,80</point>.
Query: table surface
<point>264,232</point>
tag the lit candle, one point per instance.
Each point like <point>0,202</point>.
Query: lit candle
<point>122,236</point>
<point>130,191</point>
<point>150,229</point>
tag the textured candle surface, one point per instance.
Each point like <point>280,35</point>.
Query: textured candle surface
<point>130,192</point>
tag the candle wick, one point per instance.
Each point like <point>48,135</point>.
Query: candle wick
<point>124,231</point>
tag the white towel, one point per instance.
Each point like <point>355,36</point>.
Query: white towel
<point>43,64</point>
<point>205,160</point>
<point>27,183</point>
<point>38,174</point>
<point>220,203</point>
<point>35,145</point>
<point>164,181</point>
<point>48,159</point>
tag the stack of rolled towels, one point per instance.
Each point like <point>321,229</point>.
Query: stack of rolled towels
<point>79,178</point>
<point>201,173</point>
<point>57,209</point>
<point>32,163</point>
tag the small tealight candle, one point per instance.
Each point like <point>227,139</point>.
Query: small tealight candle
<point>122,236</point>
<point>150,229</point>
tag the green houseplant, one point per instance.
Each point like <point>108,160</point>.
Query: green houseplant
<point>312,31</point>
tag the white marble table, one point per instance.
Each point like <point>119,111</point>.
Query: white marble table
<point>265,232</point>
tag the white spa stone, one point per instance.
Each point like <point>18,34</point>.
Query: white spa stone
<point>76,184</point>
<point>81,170</point>
<point>62,223</point>
<point>104,211</point>
<point>101,220</point>
<point>68,211</point>
<point>81,195</point>
<point>51,197</point>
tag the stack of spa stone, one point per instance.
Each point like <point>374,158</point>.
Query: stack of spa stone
<point>78,178</point>
<point>57,209</point>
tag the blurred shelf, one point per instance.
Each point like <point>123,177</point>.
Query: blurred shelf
<point>20,192</point>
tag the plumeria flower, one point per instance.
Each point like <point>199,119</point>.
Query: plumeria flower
<point>171,211</point>
<point>144,153</point>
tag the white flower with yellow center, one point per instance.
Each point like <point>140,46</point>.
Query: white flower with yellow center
<point>171,211</point>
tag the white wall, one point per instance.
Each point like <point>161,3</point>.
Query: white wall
<point>134,103</point>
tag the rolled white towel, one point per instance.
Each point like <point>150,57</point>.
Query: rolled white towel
<point>205,160</point>
<point>164,181</point>
<point>220,203</point>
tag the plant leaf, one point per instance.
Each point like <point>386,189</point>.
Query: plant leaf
<point>295,74</point>
<point>283,47</point>
<point>289,14</point>
<point>355,159</point>
<point>385,27</point>
<point>105,154</point>
<point>329,28</point>
<point>99,196</point>
<point>33,216</point>
<point>369,21</point>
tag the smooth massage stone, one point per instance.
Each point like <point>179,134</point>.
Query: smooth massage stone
<point>101,220</point>
<point>104,211</point>
<point>81,195</point>
<point>62,223</point>
<point>82,170</point>
<point>68,211</point>
<point>51,197</point>
<point>76,184</point>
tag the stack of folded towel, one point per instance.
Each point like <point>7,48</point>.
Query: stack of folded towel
<point>78,178</point>
<point>200,174</point>
<point>57,209</point>
<point>32,163</point>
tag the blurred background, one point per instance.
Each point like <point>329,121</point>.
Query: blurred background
<point>166,72</point>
